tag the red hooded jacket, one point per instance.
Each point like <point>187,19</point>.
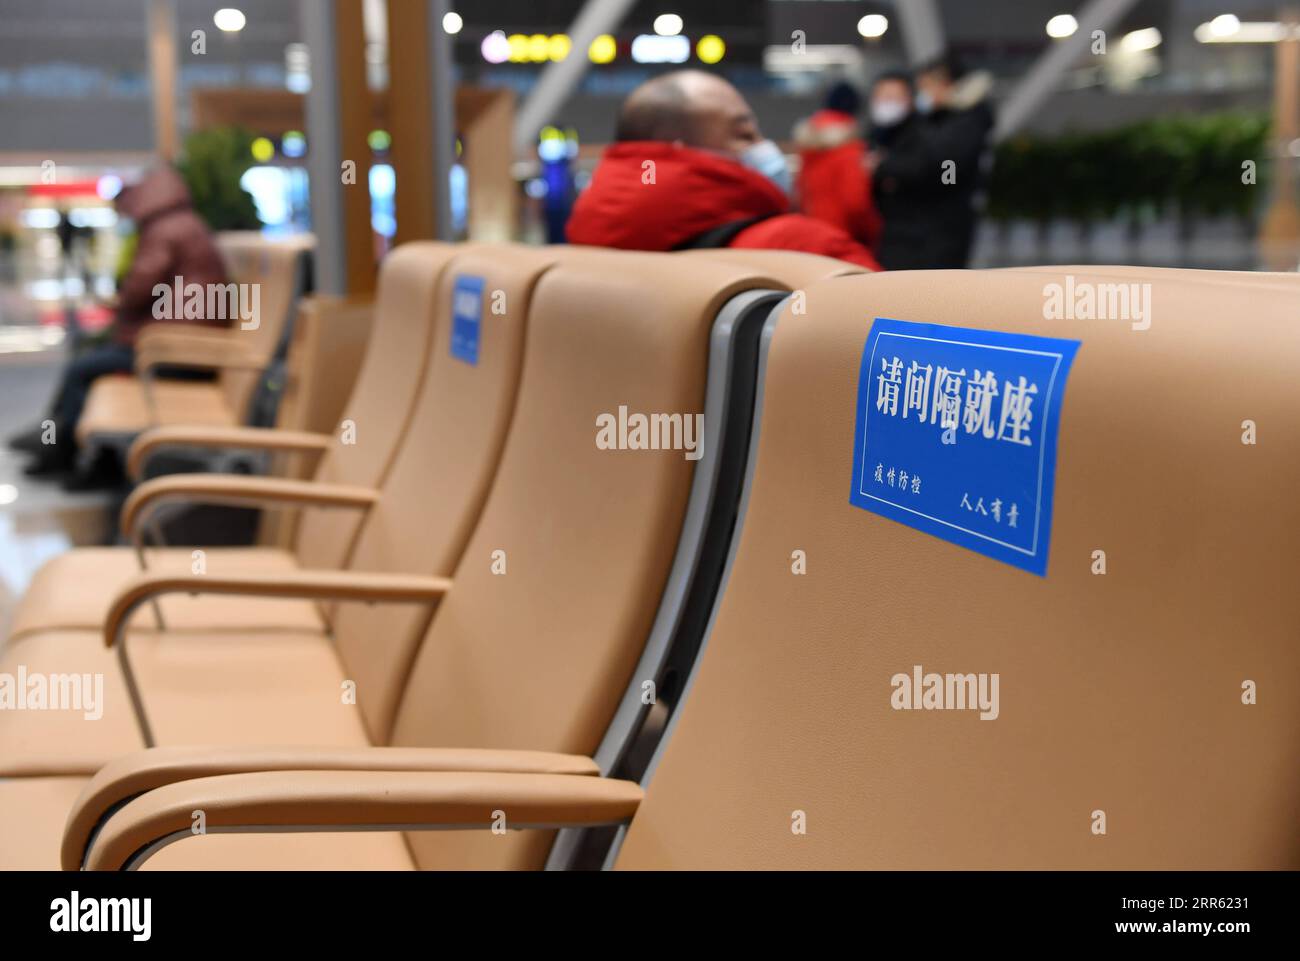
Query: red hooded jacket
<point>692,192</point>
<point>834,183</point>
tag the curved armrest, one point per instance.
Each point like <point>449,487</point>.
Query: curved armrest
<point>240,491</point>
<point>128,777</point>
<point>309,585</point>
<point>170,331</point>
<point>331,801</point>
<point>249,438</point>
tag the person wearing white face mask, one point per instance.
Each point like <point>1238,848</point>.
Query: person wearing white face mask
<point>690,168</point>
<point>834,182</point>
<point>927,163</point>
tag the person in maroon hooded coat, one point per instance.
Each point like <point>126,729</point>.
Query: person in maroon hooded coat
<point>691,169</point>
<point>172,241</point>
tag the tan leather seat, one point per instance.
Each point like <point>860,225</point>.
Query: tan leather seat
<point>1119,692</point>
<point>185,680</point>
<point>1250,279</point>
<point>1123,691</point>
<point>793,269</point>
<point>281,268</point>
<point>27,832</point>
<point>533,646</point>
<point>73,591</point>
<point>122,406</point>
<point>118,405</point>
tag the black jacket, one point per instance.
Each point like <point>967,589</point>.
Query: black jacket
<point>930,223</point>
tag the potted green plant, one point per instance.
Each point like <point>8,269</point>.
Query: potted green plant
<point>212,164</point>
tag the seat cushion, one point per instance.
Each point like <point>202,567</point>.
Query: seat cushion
<point>73,591</point>
<point>65,741</point>
<point>118,406</point>
<point>198,687</point>
<point>204,687</point>
<point>33,811</point>
<point>32,814</point>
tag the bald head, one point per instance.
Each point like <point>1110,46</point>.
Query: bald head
<point>690,107</point>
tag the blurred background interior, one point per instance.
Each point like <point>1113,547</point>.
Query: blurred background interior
<point>1134,156</point>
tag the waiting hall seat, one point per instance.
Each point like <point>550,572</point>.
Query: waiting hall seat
<point>554,604</point>
<point>1248,279</point>
<point>276,680</point>
<point>120,407</point>
<point>793,269</point>
<point>75,590</point>
<point>1122,693</point>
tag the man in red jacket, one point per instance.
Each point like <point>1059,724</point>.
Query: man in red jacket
<point>691,169</point>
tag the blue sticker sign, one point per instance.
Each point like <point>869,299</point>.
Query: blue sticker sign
<point>956,435</point>
<point>466,314</point>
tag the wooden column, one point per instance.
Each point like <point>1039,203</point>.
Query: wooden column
<point>420,118</point>
<point>355,111</point>
<point>1280,232</point>
<point>338,121</point>
<point>163,76</point>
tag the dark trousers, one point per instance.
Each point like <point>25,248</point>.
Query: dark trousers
<point>100,361</point>
<point>80,373</point>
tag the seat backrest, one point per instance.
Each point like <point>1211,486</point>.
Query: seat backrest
<point>793,269</point>
<point>279,269</point>
<point>331,336</point>
<point>1245,279</point>
<point>535,645</point>
<point>375,418</point>
<point>1128,703</point>
<point>434,491</point>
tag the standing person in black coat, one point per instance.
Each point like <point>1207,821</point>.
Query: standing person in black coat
<point>929,169</point>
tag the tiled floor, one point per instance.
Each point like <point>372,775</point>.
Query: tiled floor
<point>37,518</point>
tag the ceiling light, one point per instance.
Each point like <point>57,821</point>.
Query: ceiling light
<point>710,48</point>
<point>1224,25</point>
<point>495,48</point>
<point>1146,39</point>
<point>873,25</point>
<point>603,49</point>
<point>668,24</point>
<point>1061,26</point>
<point>229,19</point>
<point>649,48</point>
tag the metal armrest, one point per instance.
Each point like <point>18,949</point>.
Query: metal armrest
<point>331,801</point>
<point>308,585</point>
<point>239,491</point>
<point>128,777</point>
<point>249,438</point>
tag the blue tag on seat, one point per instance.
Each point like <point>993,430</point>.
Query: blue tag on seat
<point>956,435</point>
<point>466,314</point>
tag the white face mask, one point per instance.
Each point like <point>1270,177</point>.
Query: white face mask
<point>766,158</point>
<point>887,113</point>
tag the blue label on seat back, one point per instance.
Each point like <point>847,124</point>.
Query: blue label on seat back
<point>956,435</point>
<point>466,314</point>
